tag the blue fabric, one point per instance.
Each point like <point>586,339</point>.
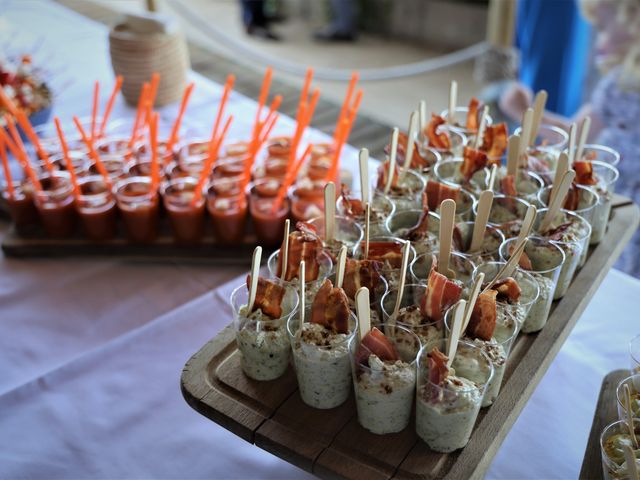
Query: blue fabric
<point>553,39</point>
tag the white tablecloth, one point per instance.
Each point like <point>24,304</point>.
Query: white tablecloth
<point>91,351</point>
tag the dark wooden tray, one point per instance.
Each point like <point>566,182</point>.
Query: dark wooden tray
<point>606,413</point>
<point>331,444</point>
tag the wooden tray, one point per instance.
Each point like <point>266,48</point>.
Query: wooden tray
<point>331,444</point>
<point>606,413</point>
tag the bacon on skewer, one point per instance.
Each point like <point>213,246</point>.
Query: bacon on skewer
<point>584,173</point>
<point>508,289</point>
<point>472,162</point>
<point>303,245</point>
<point>441,294</point>
<point>472,115</point>
<point>494,140</point>
<point>438,370</point>
<point>390,252</point>
<point>524,262</point>
<point>572,201</point>
<point>269,297</point>
<point>330,308</point>
<point>508,185</point>
<point>353,206</point>
<point>437,140</point>
<point>361,273</point>
<point>437,192</point>
<point>420,229</point>
<point>417,160</point>
<point>483,318</point>
<point>383,175</point>
<point>376,343</point>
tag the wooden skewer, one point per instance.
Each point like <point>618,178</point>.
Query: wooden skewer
<point>392,159</point>
<point>447,221</point>
<point>629,416</point>
<point>493,173</point>
<point>538,109</point>
<point>364,175</point>
<point>303,301</point>
<point>562,167</point>
<point>482,218</point>
<point>483,124</point>
<point>422,108</point>
<point>473,297</point>
<point>630,459</point>
<point>453,97</point>
<point>329,211</point>
<point>573,133</point>
<point>584,134</point>
<point>525,231</point>
<point>525,134</point>
<point>285,249</point>
<point>509,266</point>
<point>456,330</point>
<point>513,152</point>
<point>340,266</point>
<point>367,228</point>
<point>363,311</point>
<point>558,200</point>
<point>253,279</point>
<point>413,127</point>
<point>403,277</point>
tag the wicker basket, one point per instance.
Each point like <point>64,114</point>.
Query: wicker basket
<point>142,45</point>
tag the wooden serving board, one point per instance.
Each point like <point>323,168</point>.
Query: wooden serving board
<point>606,413</point>
<point>331,444</point>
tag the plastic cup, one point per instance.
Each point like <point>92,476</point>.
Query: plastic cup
<point>547,259</point>
<point>573,248</point>
<point>56,204</point>
<point>528,184</point>
<point>268,223</point>
<point>506,214</point>
<point>633,381</point>
<point>445,417</point>
<point>519,311</point>
<point>497,350</point>
<point>139,209</point>
<point>384,397</point>
<point>427,331</point>
<point>263,342</point>
<point>381,209</point>
<point>546,149</point>
<point>96,207</point>
<point>613,458</point>
<point>21,206</point>
<point>607,176</point>
<point>458,141</point>
<point>432,156</point>
<point>461,264</point>
<point>600,153</point>
<point>448,172</point>
<point>401,222</point>
<point>323,371</point>
<point>347,233</point>
<point>311,285</point>
<point>390,271</point>
<point>408,195</point>
<point>186,218</point>
<point>460,118</point>
<point>489,249</point>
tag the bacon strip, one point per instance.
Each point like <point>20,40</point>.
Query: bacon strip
<point>584,173</point>
<point>419,230</point>
<point>303,245</point>
<point>361,273</point>
<point>376,343</point>
<point>438,370</point>
<point>353,206</point>
<point>269,297</point>
<point>472,162</point>
<point>437,192</point>
<point>472,115</point>
<point>437,140</point>
<point>556,233</point>
<point>390,252</point>
<point>572,201</point>
<point>330,308</point>
<point>508,185</point>
<point>441,294</point>
<point>508,289</point>
<point>494,140</point>
<point>417,160</point>
<point>524,262</point>
<point>383,174</point>
<point>483,318</point>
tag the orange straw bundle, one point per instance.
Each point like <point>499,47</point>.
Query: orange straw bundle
<point>67,159</point>
<point>228,86</point>
<point>93,153</point>
<point>343,129</point>
<point>173,138</point>
<point>290,176</point>
<point>208,166</point>
<point>24,123</point>
<point>109,107</point>
<point>17,150</point>
<point>5,169</point>
<point>345,105</point>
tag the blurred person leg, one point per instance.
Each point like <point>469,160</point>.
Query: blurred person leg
<point>255,20</point>
<point>343,26</point>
